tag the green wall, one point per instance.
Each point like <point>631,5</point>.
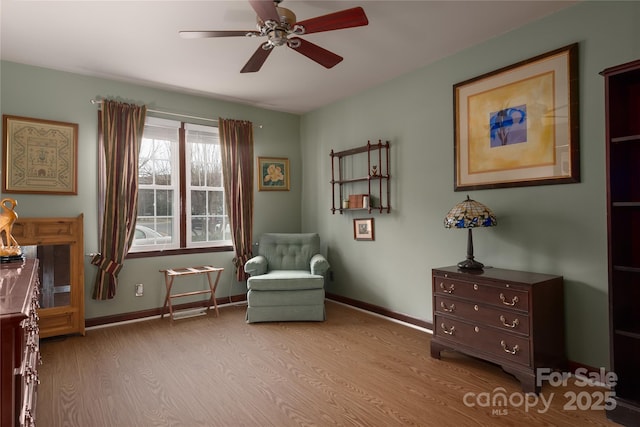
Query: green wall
<point>557,229</point>
<point>53,95</point>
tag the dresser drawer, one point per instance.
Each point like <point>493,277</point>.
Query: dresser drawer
<point>499,295</point>
<point>507,346</point>
<point>506,319</point>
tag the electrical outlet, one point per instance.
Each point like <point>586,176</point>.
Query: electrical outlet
<point>139,289</point>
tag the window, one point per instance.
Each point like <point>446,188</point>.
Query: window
<point>181,202</point>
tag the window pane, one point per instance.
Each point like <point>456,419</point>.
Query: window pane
<point>214,170</point>
<point>197,174</point>
<point>145,170</point>
<point>163,146</point>
<point>164,202</point>
<point>151,232</point>
<point>216,230</point>
<point>216,203</point>
<point>163,172</point>
<point>164,226</point>
<point>145,202</point>
<point>198,229</point>
<point>198,202</point>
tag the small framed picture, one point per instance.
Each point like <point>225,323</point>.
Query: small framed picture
<point>363,229</point>
<point>273,174</point>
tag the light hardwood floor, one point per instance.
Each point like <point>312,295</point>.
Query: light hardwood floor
<point>355,369</point>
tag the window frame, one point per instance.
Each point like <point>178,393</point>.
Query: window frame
<point>182,214</point>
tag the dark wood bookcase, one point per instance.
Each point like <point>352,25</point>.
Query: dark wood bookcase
<point>622,96</point>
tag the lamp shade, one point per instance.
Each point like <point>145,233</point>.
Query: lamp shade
<point>470,214</point>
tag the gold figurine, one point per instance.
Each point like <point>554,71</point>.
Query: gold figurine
<point>8,216</point>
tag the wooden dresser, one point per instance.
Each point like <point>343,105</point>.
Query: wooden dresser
<point>512,318</point>
<point>20,355</point>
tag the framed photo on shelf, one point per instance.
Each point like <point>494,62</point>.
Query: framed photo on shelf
<point>363,229</point>
<point>518,126</point>
<point>40,156</point>
<point>273,174</point>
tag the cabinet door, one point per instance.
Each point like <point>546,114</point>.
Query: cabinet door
<point>58,244</point>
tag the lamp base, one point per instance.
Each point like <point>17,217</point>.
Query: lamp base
<point>470,264</point>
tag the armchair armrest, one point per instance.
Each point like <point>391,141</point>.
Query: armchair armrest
<point>319,265</point>
<point>256,266</point>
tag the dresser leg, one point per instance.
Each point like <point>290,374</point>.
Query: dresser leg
<point>436,349</point>
<point>527,380</point>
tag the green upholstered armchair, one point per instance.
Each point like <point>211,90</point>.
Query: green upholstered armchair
<point>286,280</point>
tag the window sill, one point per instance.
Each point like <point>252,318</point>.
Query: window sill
<point>181,251</point>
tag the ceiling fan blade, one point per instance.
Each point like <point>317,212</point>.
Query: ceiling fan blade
<point>314,52</point>
<point>265,9</point>
<point>207,34</point>
<point>348,18</point>
<point>257,59</point>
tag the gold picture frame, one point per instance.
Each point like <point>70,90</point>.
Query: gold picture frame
<point>519,125</point>
<point>273,174</point>
<point>363,229</point>
<point>39,156</point>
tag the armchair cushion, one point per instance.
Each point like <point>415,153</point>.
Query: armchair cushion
<point>290,280</point>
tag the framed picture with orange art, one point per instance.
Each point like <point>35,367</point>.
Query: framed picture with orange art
<point>518,126</point>
<point>273,174</point>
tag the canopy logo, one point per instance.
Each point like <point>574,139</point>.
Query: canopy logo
<point>594,398</point>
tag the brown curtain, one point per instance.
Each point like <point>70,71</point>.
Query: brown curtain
<point>120,135</point>
<point>237,170</point>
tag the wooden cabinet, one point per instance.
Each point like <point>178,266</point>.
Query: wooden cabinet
<point>58,244</point>
<point>20,355</point>
<point>361,173</point>
<point>512,318</point>
<point>622,95</point>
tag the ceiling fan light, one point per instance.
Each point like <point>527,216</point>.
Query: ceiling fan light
<point>287,17</point>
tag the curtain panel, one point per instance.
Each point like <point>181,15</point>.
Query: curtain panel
<point>121,127</point>
<point>236,139</point>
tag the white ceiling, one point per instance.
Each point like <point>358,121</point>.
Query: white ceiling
<point>137,41</point>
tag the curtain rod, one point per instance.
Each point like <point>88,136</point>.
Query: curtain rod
<point>100,101</point>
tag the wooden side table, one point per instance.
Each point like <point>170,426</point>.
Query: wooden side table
<point>172,273</point>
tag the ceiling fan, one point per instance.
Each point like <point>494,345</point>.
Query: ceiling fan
<point>279,25</point>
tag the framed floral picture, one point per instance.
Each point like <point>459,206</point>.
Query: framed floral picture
<point>273,174</point>
<point>40,156</point>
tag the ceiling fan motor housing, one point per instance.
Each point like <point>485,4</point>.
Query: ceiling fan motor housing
<point>277,32</point>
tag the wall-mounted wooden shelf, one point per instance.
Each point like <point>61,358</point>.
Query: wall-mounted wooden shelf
<point>362,177</point>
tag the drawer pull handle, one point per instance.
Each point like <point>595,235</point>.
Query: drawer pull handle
<point>450,331</point>
<point>513,302</point>
<point>516,348</point>
<point>450,309</point>
<point>448,290</point>
<point>513,324</point>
